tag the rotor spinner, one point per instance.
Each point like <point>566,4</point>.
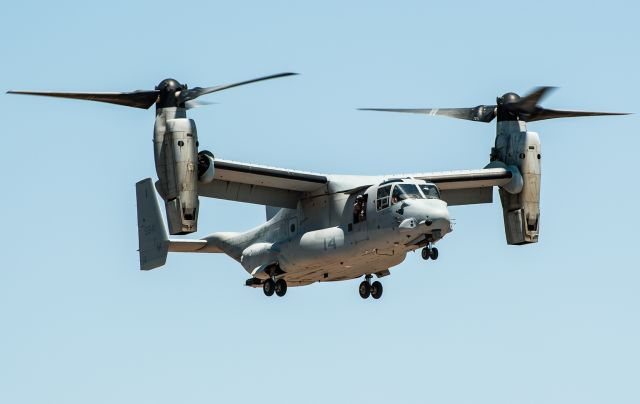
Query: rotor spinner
<point>505,106</point>
<point>169,90</point>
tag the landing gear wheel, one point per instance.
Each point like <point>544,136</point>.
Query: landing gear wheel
<point>376,290</point>
<point>268,287</point>
<point>434,254</point>
<point>281,287</point>
<point>426,253</point>
<point>364,289</point>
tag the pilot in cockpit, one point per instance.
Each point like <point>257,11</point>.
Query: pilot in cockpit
<point>396,196</point>
<point>405,191</point>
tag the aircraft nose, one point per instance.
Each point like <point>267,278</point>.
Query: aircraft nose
<point>437,217</point>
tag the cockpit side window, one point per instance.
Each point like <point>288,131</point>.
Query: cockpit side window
<point>405,191</point>
<point>382,200</point>
<point>430,191</point>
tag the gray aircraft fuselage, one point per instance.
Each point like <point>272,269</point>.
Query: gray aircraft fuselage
<point>321,240</point>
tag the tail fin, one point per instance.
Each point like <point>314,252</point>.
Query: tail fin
<point>271,212</point>
<point>152,235</point>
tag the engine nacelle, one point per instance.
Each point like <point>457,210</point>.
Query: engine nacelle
<point>517,147</point>
<point>177,167</point>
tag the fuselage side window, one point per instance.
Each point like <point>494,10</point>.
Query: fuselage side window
<point>382,200</point>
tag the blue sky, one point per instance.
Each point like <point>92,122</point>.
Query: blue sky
<point>554,322</point>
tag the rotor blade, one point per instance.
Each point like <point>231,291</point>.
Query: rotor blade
<point>542,114</point>
<point>198,91</point>
<point>197,104</point>
<point>481,113</point>
<point>529,102</point>
<point>137,99</point>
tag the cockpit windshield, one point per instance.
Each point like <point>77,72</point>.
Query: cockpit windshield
<point>430,191</point>
<point>405,191</point>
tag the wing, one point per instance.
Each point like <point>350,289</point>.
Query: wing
<point>262,185</point>
<point>467,187</point>
<point>279,187</point>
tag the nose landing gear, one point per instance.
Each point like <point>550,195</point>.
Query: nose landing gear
<point>364,289</point>
<point>429,252</point>
<point>376,290</point>
<point>367,288</point>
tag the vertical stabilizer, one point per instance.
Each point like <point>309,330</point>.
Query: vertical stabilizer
<point>271,211</point>
<point>152,236</point>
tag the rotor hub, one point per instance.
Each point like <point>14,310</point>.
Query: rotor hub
<point>508,98</point>
<point>169,90</point>
<point>506,105</point>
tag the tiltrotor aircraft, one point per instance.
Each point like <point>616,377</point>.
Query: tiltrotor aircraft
<point>326,227</point>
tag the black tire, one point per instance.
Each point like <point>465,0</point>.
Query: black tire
<point>281,287</point>
<point>364,289</point>
<point>376,290</point>
<point>268,287</point>
<point>425,253</point>
<point>434,254</point>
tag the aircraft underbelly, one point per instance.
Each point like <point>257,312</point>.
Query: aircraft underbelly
<point>345,261</point>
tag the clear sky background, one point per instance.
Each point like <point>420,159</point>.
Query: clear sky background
<point>554,322</point>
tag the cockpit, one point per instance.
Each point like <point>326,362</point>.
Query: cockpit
<point>392,192</point>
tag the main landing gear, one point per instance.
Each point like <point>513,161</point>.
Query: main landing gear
<point>429,252</point>
<point>270,286</point>
<point>367,288</point>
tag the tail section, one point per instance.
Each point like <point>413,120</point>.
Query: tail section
<point>152,236</point>
<point>155,244</point>
<point>271,211</point>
